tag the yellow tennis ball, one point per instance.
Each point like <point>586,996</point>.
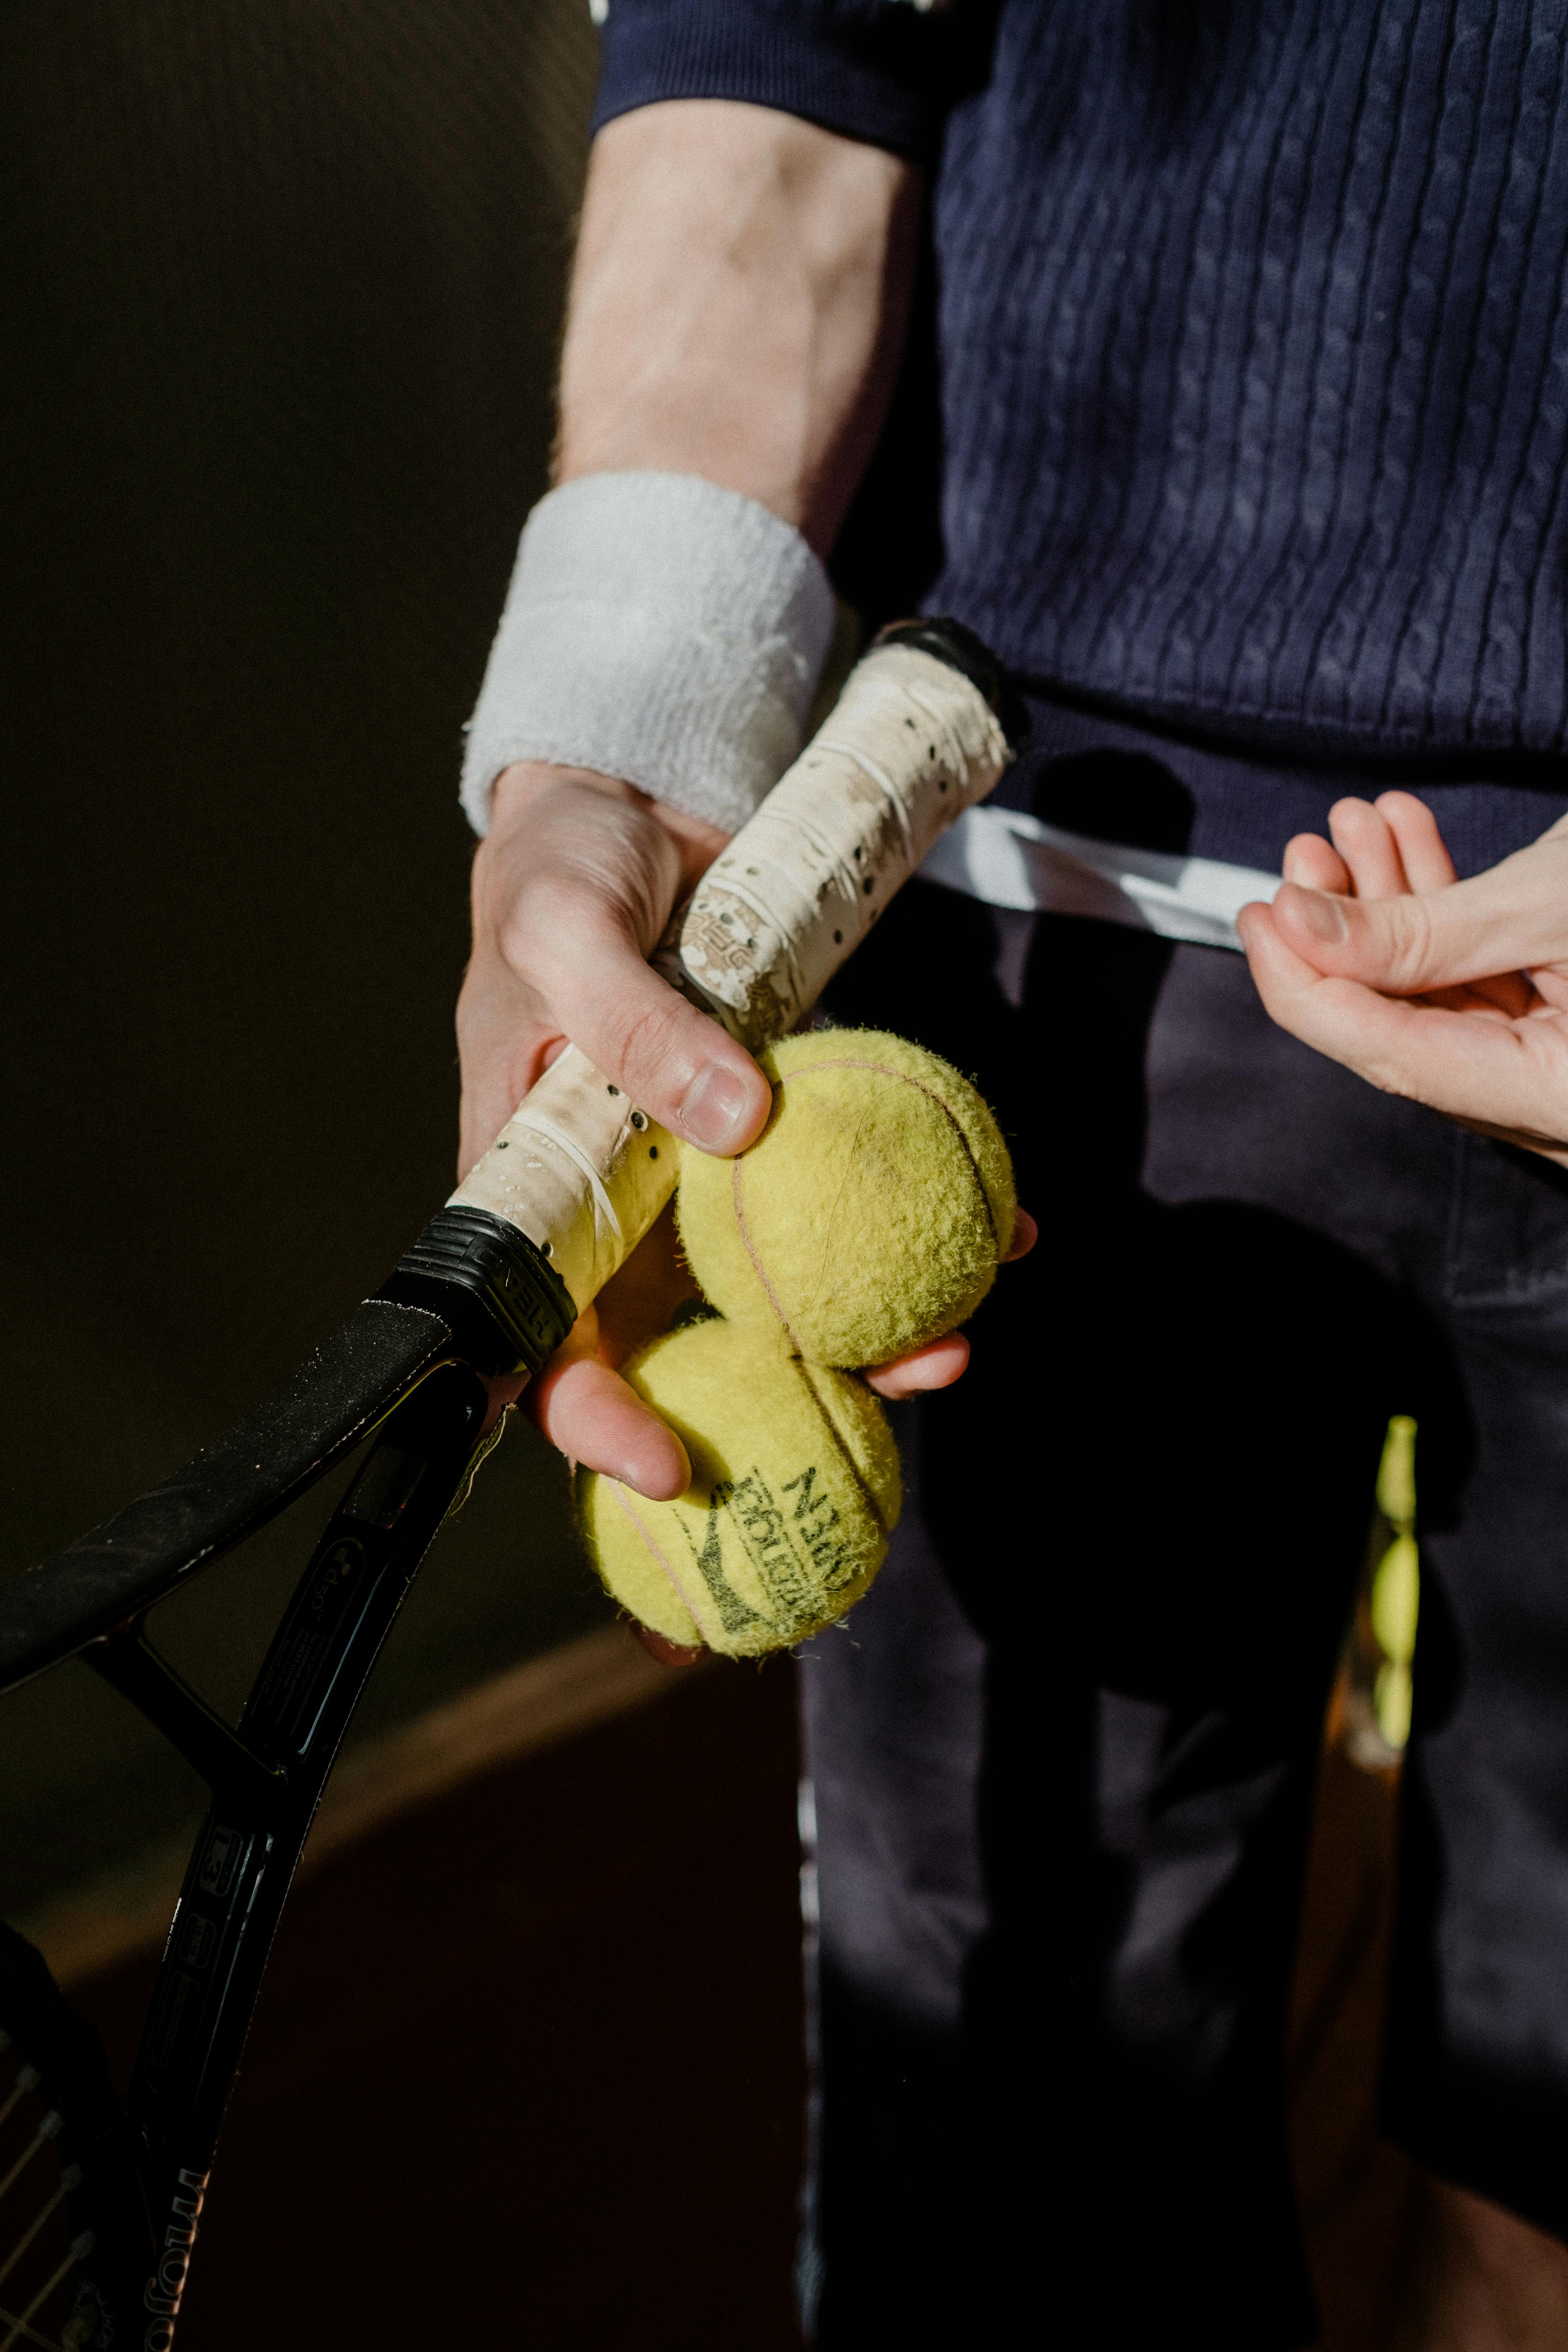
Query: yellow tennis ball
<point>871,1214</point>
<point>794,1491</point>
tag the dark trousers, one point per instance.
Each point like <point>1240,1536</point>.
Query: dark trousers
<point>1064,1750</point>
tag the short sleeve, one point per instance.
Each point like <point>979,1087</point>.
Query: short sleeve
<point>882,70</point>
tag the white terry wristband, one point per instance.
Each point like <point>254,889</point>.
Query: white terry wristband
<point>659,629</point>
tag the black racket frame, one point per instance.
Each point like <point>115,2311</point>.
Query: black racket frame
<point>471,1298</point>
<point>267,1777</point>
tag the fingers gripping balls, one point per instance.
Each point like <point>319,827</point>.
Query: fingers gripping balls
<point>868,1218</point>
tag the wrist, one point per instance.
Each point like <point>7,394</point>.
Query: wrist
<point>660,629</point>
<point>521,790</point>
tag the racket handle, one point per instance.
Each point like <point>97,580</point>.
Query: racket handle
<point>574,1181</point>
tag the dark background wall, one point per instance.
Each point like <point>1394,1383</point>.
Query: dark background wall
<point>281,289</point>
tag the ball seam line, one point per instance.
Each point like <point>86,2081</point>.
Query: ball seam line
<point>657,1549</point>
<point>757,1267</point>
<point>836,1434</point>
<point>797,1359</point>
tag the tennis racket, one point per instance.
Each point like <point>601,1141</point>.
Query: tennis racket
<point>101,2195</point>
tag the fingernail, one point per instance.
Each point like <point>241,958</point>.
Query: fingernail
<point>1321,914</point>
<point>659,1487</point>
<point>714,1112</point>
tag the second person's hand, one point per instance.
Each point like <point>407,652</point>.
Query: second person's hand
<point>1453,993</point>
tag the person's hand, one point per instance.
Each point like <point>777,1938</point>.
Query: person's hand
<point>571,891</point>
<point>1453,993</point>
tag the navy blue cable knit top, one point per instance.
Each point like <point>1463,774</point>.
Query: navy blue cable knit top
<point>1252,331</point>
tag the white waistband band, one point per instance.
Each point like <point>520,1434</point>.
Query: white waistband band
<point>1011,860</point>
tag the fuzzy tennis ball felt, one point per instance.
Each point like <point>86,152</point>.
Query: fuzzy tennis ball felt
<point>871,1214</point>
<point>795,1490</point>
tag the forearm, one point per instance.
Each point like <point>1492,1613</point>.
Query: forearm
<point>736,316</point>
<point>737,310</point>
<point>738,305</point>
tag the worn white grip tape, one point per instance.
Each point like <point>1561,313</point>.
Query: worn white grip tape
<point>910,745</point>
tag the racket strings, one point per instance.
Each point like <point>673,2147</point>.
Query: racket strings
<point>48,2130</point>
<point>27,2080</point>
<point>38,2252</point>
<point>21,2328</point>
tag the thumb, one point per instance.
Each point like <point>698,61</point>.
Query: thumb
<point>673,1061</point>
<point>1511,918</point>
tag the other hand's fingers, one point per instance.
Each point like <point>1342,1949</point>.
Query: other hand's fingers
<point>935,1366</point>
<point>1481,999</point>
<point>1422,850</point>
<point>1348,1021</point>
<point>1365,841</point>
<point>1315,863</point>
<point>1428,867</point>
<point>1510,991</point>
<point>591,1417</point>
<point>1512,1076</point>
<point>1513,918</point>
